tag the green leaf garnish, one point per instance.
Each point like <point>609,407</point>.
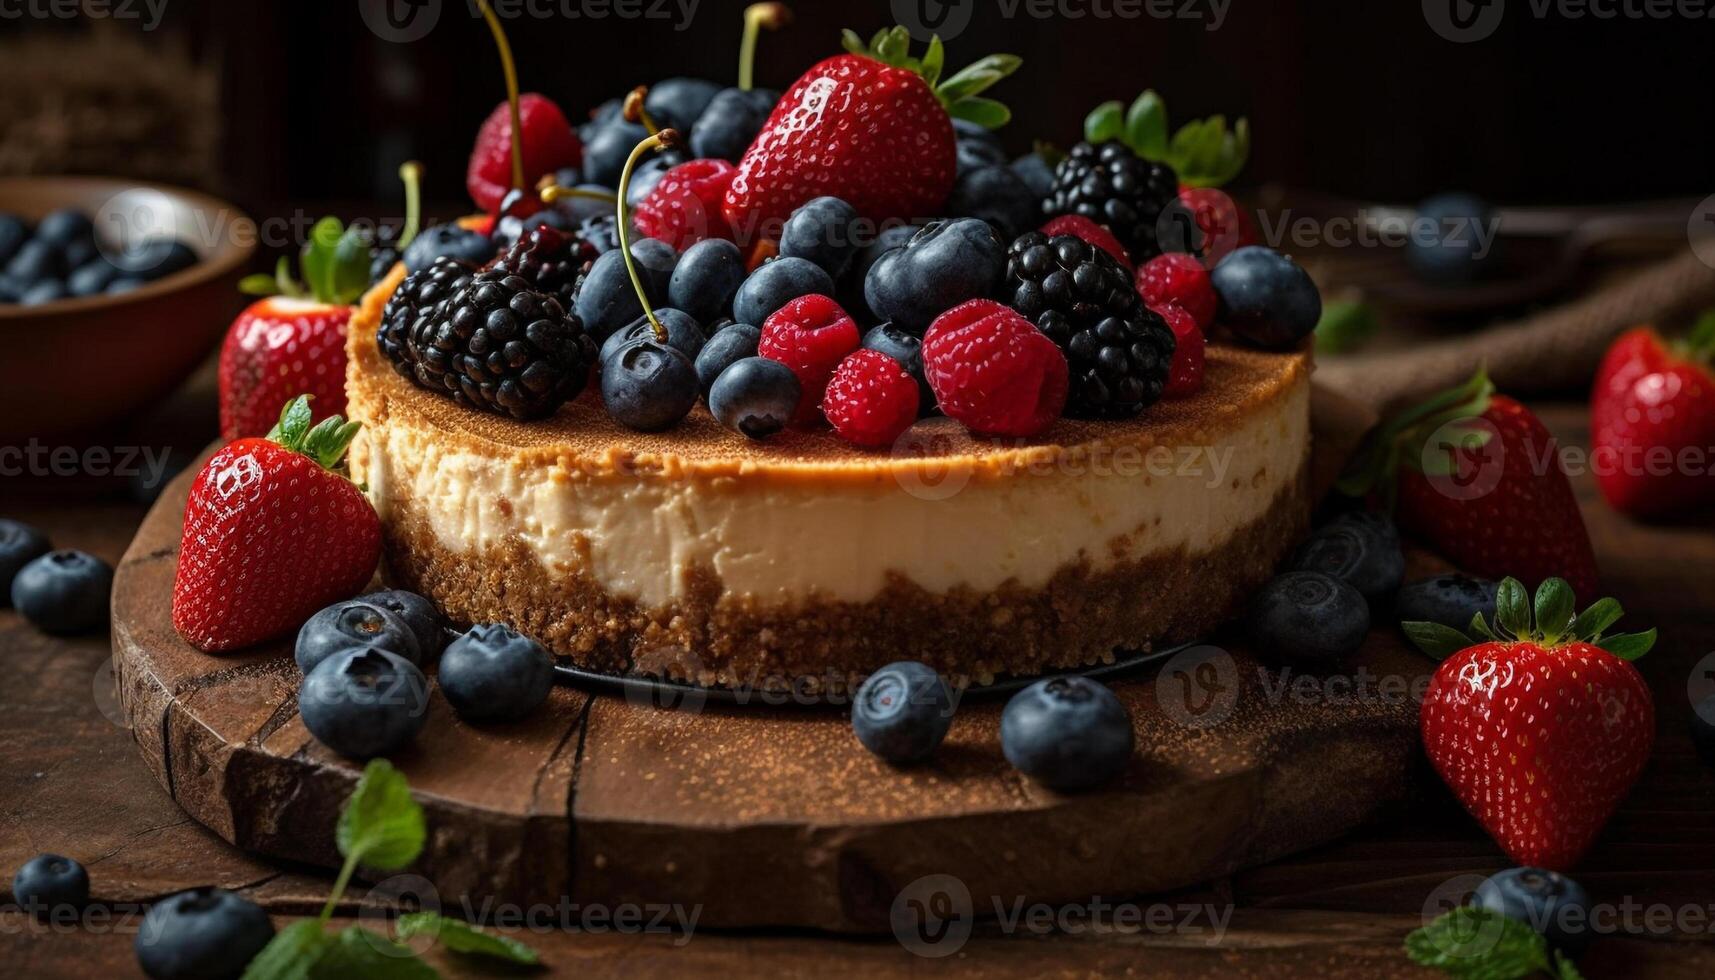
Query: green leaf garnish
<point>291,954</point>
<point>1146,126</point>
<point>325,443</point>
<point>1548,622</point>
<point>1344,325</point>
<point>1553,608</point>
<point>1629,646</point>
<point>357,952</point>
<point>1602,614</point>
<point>317,260</point>
<point>1477,944</point>
<point>1105,122</point>
<point>1512,607</point>
<point>381,825</point>
<point>986,113</point>
<point>462,937</point>
<point>350,274</point>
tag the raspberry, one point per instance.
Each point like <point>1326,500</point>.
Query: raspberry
<point>1185,377</point>
<point>1222,226</point>
<point>1177,279</point>
<point>548,143</point>
<point>685,205</point>
<point>1082,227</point>
<point>991,369</point>
<point>810,335</point>
<point>871,399</point>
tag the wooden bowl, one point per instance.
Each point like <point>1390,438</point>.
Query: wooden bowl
<point>77,365</point>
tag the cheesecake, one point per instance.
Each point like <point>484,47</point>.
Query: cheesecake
<point>803,562</point>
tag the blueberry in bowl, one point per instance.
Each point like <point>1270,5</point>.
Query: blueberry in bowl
<point>755,397</point>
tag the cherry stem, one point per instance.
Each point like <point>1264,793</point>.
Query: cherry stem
<point>665,139</point>
<point>511,70</point>
<point>634,111</point>
<point>411,172</point>
<point>551,192</point>
<point>757,16</point>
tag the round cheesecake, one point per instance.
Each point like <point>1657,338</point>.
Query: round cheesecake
<point>802,562</point>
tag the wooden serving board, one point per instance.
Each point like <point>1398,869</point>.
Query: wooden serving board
<point>774,816</point>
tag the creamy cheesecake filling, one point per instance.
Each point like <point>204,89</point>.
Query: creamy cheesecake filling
<point>640,536</point>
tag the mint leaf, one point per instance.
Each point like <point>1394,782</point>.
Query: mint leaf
<point>1629,646</point>
<point>1554,604</point>
<point>1593,622</point>
<point>357,952</point>
<point>291,954</point>
<point>986,113</point>
<point>1344,325</point>
<point>1436,641</point>
<point>462,937</point>
<point>1105,122</point>
<point>1512,607</point>
<point>1477,944</point>
<point>381,826</point>
<point>1146,126</point>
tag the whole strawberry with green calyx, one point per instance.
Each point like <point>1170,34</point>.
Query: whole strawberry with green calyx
<point>1541,724</point>
<point>274,531</point>
<point>1652,421</point>
<point>872,127</point>
<point>1476,476</point>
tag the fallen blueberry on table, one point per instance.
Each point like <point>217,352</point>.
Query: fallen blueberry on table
<point>64,592</point>
<point>1553,905</point>
<point>20,544</point>
<point>1309,618</point>
<point>419,614</point>
<point>495,673</point>
<point>1452,600</point>
<point>1360,549</point>
<point>49,886</point>
<point>902,712</point>
<point>1067,733</point>
<point>202,934</point>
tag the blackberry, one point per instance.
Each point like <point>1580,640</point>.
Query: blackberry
<point>1111,185</point>
<point>550,260</point>
<point>418,297</point>
<point>498,345</point>
<point>1118,350</point>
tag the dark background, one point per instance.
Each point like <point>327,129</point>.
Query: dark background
<point>1352,97</point>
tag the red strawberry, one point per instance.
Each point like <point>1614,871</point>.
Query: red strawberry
<point>1079,226</point>
<point>810,335</point>
<point>548,143</point>
<point>1480,479</point>
<point>871,399</point>
<point>1225,226</point>
<point>992,370</point>
<point>869,127</point>
<point>1541,730</point>
<point>685,205</point>
<point>1180,280</point>
<point>1652,422</point>
<point>272,534</point>
<point>279,348</point>
<point>1185,377</point>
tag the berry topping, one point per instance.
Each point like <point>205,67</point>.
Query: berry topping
<point>902,712</point>
<point>1267,300</point>
<point>776,283</point>
<point>729,345</point>
<point>683,334</point>
<point>1177,279</point>
<point>810,335</point>
<point>1112,186</point>
<point>550,260</point>
<point>706,279</point>
<point>907,349</point>
<point>1222,227</point>
<point>1067,733</point>
<point>994,372</point>
<point>420,296</point>
<point>940,266</point>
<point>495,673</point>
<point>685,206</point>
<point>998,196</point>
<point>1081,227</point>
<point>871,399</point>
<point>1185,377</point>
<point>649,386</point>
<point>822,231</point>
<point>547,144</point>
<point>754,396</point>
<point>448,241</point>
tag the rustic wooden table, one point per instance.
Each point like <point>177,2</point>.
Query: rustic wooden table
<point>71,781</point>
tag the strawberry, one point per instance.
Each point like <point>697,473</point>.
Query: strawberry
<point>1652,421</point>
<point>870,127</point>
<point>548,143</point>
<point>1541,728</point>
<point>1478,477</point>
<point>272,534</point>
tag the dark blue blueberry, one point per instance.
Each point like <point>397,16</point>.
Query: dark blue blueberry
<point>92,278</point>
<point>977,154</point>
<point>1453,239</point>
<point>582,209</point>
<point>902,712</point>
<point>64,592</point>
<point>1067,733</point>
<point>354,623</point>
<point>886,239</point>
<point>65,226</point>
<point>1553,905</point>
<point>364,702</point>
<point>51,887</point>
<point>601,230</point>
<point>79,252</point>
<point>495,673</point>
<point>156,258</point>
<point>823,231</point>
<point>999,197</point>
<point>202,934</point>
<point>727,347</point>
<point>568,176</point>
<point>777,283</point>
<point>755,397</point>
<point>1703,729</point>
<point>608,302</point>
<point>907,349</point>
<point>1310,619</point>
<point>964,129</point>
<point>1267,300</point>
<point>1360,549</point>
<point>683,334</point>
<point>123,285</point>
<point>20,544</point>
<point>45,291</point>
<point>35,260</point>
<point>706,279</point>
<point>451,241</point>
<point>677,103</point>
<point>9,289</point>
<point>944,264</point>
<point>648,386</point>
<point>731,122</point>
<point>13,234</point>
<point>648,173</point>
<point>608,146</point>
<point>419,614</point>
<point>1451,600</point>
<point>1036,174</point>
<point>600,116</point>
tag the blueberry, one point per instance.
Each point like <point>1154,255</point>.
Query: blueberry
<point>998,196</point>
<point>156,258</point>
<point>65,226</point>
<point>45,291</point>
<point>1067,733</point>
<point>1452,241</point>
<point>601,115</point>
<point>601,230</point>
<point>706,279</point>
<point>608,301</point>
<point>726,348</point>
<point>79,251</point>
<point>1360,549</point>
<point>20,544</point>
<point>1265,298</point>
<point>902,712</point>
<point>683,334</point>
<point>907,349</point>
<point>568,176</point>
<point>91,278</point>
<point>202,934</point>
<point>64,592</point>
<point>888,238</point>
<point>510,228</point>
<point>648,386</point>
<point>363,702</point>
<point>9,289</point>
<point>1553,905</point>
<point>51,887</point>
<point>13,233</point>
<point>354,623</point>
<point>821,231</point>
<point>494,673</point>
<point>730,123</point>
<point>582,209</point>
<point>755,397</point>
<point>1451,600</point>
<point>677,103</point>
<point>1703,729</point>
<point>944,264</point>
<point>419,615</point>
<point>451,241</point>
<point>777,283</point>
<point>35,260</point>
<point>648,173</point>
<point>1310,618</point>
<point>977,154</point>
<point>607,147</point>
<point>969,132</point>
<point>1036,174</point>
<point>123,285</point>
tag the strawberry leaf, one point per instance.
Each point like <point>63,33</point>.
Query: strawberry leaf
<point>283,279</point>
<point>1554,605</point>
<point>318,259</point>
<point>1629,646</point>
<point>1437,642</point>
<point>294,422</point>
<point>977,77</point>
<point>1146,126</point>
<point>1512,607</point>
<point>1203,153</point>
<point>1699,344</point>
<point>986,113</point>
<point>328,441</point>
<point>1593,622</point>
<point>893,46</point>
<point>1105,122</point>
<point>259,284</point>
<point>934,61</point>
<point>851,42</point>
<point>1399,441</point>
<point>350,274</point>
<point>1480,627</point>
